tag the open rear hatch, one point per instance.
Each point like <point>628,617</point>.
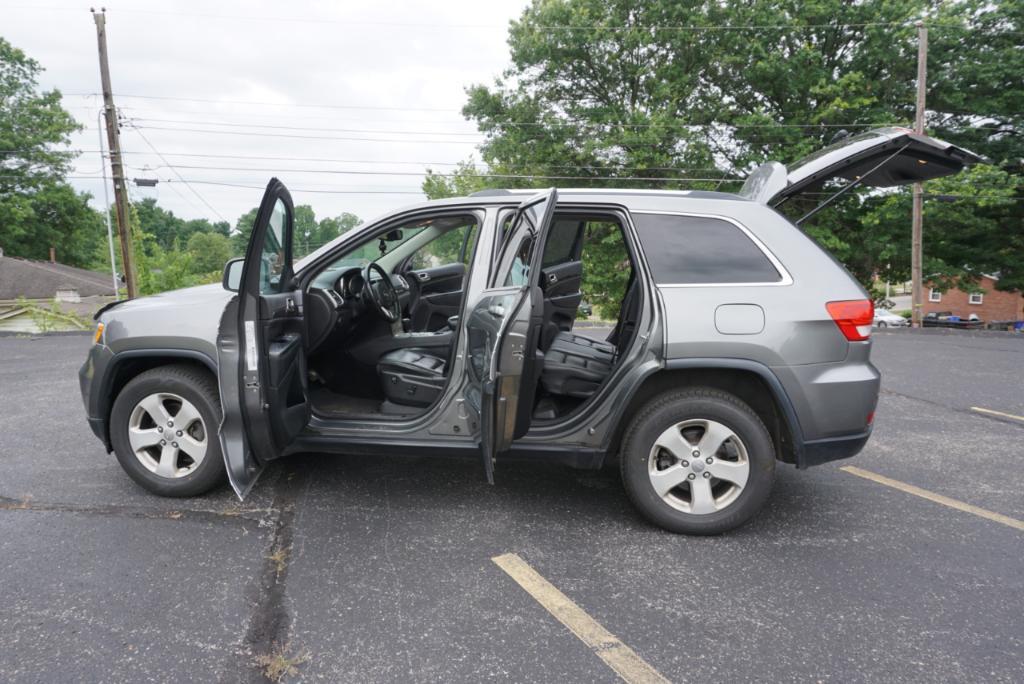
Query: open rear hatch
<point>881,157</point>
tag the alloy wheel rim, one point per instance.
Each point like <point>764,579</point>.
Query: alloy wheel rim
<point>167,435</point>
<point>698,466</point>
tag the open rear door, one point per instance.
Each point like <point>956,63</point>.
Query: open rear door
<point>881,157</point>
<point>261,349</point>
<point>503,328</point>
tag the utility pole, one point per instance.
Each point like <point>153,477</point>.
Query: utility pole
<point>116,166</point>
<point>916,252</point>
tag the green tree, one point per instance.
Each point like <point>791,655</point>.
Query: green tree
<point>243,229</point>
<point>634,93</point>
<point>209,252</point>
<point>331,227</point>
<point>38,210</point>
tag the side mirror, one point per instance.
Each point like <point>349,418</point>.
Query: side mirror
<point>393,235</point>
<point>233,275</point>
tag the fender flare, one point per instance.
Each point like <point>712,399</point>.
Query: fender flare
<point>779,394</point>
<point>119,358</point>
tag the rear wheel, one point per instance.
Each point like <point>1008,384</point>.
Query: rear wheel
<point>698,461</point>
<point>163,427</point>
<point>883,324</point>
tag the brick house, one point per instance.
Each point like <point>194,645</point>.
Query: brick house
<point>989,304</point>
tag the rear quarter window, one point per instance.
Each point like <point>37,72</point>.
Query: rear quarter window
<point>700,250</point>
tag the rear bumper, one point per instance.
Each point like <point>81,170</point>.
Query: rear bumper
<point>832,449</point>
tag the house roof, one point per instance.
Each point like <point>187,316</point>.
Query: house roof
<point>41,279</point>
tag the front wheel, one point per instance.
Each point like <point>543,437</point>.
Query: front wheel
<point>698,461</point>
<point>163,428</point>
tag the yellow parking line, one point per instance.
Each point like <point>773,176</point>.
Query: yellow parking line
<point>604,644</point>
<point>937,498</point>
<point>997,413</point>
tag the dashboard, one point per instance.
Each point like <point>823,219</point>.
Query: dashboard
<point>336,302</point>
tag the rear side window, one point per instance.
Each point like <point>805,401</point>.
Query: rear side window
<point>699,250</point>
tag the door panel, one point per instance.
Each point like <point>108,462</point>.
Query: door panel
<point>487,395</point>
<point>261,349</point>
<point>439,295</point>
<point>503,329</point>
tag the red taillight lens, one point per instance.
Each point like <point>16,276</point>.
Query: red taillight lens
<point>854,318</point>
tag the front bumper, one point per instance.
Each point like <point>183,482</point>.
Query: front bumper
<point>91,382</point>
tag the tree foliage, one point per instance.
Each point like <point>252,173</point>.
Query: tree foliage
<point>637,93</point>
<point>38,209</point>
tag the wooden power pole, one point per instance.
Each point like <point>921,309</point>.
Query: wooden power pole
<point>116,166</point>
<point>916,249</point>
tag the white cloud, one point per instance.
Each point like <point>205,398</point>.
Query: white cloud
<point>415,58</point>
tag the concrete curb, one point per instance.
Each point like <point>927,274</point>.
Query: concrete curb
<point>949,332</point>
<point>55,333</point>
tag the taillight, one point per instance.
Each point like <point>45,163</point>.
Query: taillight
<point>854,318</point>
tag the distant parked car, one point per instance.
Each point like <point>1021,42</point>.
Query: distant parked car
<point>947,319</point>
<point>887,319</point>
<point>586,310</point>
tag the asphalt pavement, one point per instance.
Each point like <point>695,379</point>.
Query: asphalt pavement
<point>370,569</point>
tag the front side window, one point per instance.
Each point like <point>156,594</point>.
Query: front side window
<point>272,252</point>
<point>701,250</point>
<point>454,244</point>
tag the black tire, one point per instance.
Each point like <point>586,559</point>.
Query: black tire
<point>671,408</point>
<point>188,382</point>
<point>883,324</point>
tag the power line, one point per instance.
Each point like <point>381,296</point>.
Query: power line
<point>760,139</point>
<point>313,190</point>
<point>542,27</point>
<point>307,137</point>
<point>171,167</point>
<point>238,124</point>
<point>535,124</point>
<point>271,104</point>
<point>458,175</point>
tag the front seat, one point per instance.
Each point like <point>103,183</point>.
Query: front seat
<point>412,376</point>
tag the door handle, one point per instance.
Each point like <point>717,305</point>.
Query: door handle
<point>423,276</point>
<point>289,306</point>
<point>496,310</point>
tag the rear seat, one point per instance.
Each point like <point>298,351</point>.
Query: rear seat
<point>575,366</point>
<point>570,342</point>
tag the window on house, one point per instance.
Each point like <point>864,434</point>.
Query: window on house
<point>976,298</point>
<point>934,295</point>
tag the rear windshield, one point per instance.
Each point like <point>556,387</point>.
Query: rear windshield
<point>699,250</point>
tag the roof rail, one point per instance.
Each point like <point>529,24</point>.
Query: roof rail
<point>490,192</point>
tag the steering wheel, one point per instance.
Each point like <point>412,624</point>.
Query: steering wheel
<point>381,294</point>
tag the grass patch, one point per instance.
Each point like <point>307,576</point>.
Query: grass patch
<point>278,664</point>
<point>280,559</point>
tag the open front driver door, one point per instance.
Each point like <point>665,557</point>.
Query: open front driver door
<point>261,350</point>
<point>504,358</point>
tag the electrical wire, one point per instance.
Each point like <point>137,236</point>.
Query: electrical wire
<point>349,172</point>
<point>171,167</point>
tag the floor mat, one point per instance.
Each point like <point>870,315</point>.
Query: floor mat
<point>326,401</point>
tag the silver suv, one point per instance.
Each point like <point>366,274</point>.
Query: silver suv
<point>447,328</point>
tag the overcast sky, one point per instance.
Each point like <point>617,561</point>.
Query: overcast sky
<point>371,87</point>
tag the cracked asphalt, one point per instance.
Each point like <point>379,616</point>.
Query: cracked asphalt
<point>379,569</point>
